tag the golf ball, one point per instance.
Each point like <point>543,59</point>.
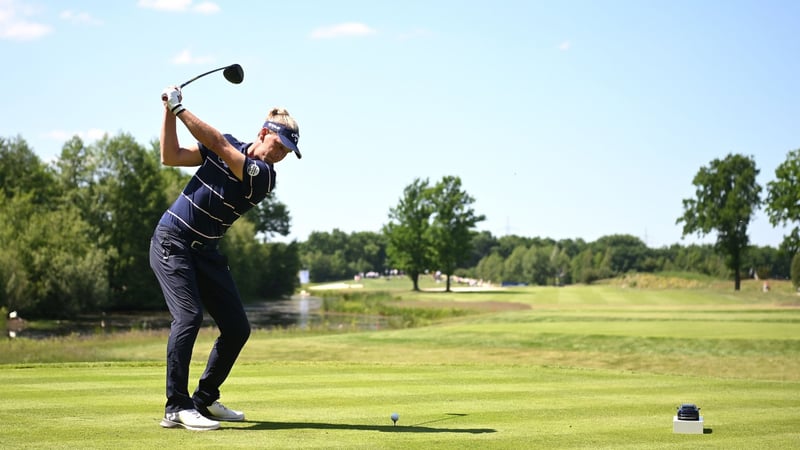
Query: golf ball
<point>395,417</point>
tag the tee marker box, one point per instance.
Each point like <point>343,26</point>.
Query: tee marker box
<point>687,426</point>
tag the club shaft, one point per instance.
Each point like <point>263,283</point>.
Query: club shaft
<point>202,75</point>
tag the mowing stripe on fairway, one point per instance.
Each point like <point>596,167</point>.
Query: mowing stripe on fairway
<point>347,405</point>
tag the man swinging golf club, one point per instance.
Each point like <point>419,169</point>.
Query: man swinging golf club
<point>233,177</point>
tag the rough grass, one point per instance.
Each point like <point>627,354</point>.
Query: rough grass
<point>575,367</point>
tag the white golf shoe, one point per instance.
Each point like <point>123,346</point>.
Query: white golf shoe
<point>218,411</point>
<point>189,419</point>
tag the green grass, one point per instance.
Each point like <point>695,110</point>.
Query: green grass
<point>576,367</point>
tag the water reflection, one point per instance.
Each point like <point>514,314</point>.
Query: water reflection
<point>301,311</point>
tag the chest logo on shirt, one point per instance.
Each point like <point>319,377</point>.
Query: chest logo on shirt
<point>253,169</point>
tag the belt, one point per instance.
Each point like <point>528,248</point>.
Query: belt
<point>188,237</point>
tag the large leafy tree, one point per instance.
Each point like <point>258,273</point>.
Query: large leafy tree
<point>337,255</point>
<point>537,265</point>
<point>50,265</point>
<point>483,244</point>
<point>559,266</point>
<point>117,185</point>
<point>726,197</point>
<point>514,265</point>
<point>270,217</point>
<point>783,200</point>
<point>453,225</point>
<point>507,244</point>
<point>21,171</point>
<point>261,271</point>
<point>367,251</point>
<point>490,268</point>
<point>408,240</point>
<point>283,261</point>
<point>324,254</point>
<point>624,252</point>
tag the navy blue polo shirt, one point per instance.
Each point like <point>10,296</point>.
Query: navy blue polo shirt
<point>214,198</point>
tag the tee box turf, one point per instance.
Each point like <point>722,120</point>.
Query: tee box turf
<point>687,426</point>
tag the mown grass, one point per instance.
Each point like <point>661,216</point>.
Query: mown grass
<point>578,367</point>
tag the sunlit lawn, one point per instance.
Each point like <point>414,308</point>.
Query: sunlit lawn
<point>575,367</point>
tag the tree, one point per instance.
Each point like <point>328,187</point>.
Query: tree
<point>453,225</point>
<point>262,271</point>
<point>283,263</point>
<point>129,195</point>
<point>483,244</point>
<point>514,266</point>
<point>694,258</point>
<point>537,265</point>
<point>49,265</point>
<point>582,267</point>
<point>766,262</point>
<point>366,252</point>
<point>243,254</point>
<point>21,171</point>
<point>727,196</point>
<point>783,200</point>
<point>325,255</point>
<point>507,244</point>
<point>336,255</point>
<point>118,186</point>
<point>173,179</point>
<point>559,264</point>
<point>270,217</point>
<point>490,268</point>
<point>408,244</point>
<point>625,252</point>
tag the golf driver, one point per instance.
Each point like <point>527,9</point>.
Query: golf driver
<point>233,73</point>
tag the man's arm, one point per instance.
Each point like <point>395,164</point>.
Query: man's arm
<point>172,154</point>
<point>175,155</point>
<point>215,141</point>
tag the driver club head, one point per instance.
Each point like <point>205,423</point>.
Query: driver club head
<point>234,73</point>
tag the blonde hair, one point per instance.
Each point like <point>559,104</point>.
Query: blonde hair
<point>281,116</point>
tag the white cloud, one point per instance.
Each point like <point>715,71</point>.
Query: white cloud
<point>186,57</point>
<point>15,26</point>
<point>350,29</point>
<point>206,8</point>
<point>180,6</point>
<point>92,134</point>
<point>79,18</point>
<point>165,5</point>
<point>565,46</point>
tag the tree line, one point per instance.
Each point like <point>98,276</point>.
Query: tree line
<point>74,234</point>
<point>535,261</point>
<point>432,228</point>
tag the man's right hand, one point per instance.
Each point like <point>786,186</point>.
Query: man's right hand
<point>172,97</point>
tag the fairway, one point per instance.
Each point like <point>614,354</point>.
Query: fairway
<point>607,372</point>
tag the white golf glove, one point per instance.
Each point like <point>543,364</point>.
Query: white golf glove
<point>172,97</point>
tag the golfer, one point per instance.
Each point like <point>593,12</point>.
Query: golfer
<point>232,178</point>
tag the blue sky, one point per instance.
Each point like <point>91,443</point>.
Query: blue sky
<point>564,119</point>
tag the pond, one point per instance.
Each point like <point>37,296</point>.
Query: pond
<point>300,311</point>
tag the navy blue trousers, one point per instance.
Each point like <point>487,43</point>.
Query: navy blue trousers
<point>193,279</point>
